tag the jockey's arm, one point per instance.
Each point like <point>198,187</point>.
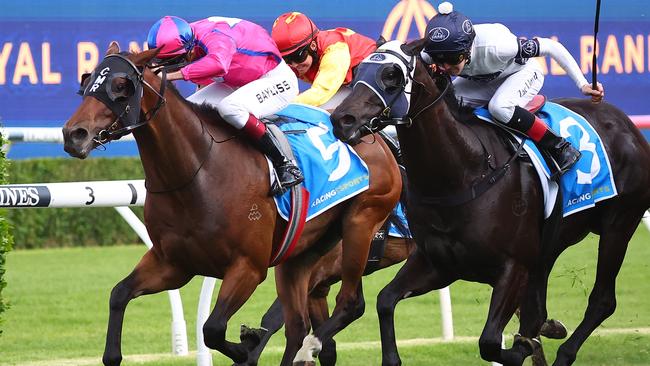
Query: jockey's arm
<point>176,75</point>
<point>332,70</point>
<point>549,47</point>
<point>216,62</point>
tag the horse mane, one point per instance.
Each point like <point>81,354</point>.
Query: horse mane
<point>204,111</point>
<point>460,112</point>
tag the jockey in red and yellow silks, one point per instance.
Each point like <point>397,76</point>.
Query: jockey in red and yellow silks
<point>324,58</point>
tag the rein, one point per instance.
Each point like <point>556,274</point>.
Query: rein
<point>478,188</point>
<point>482,185</point>
<point>380,122</point>
<point>191,179</point>
<point>112,132</point>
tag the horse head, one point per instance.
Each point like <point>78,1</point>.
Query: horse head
<point>383,88</point>
<point>112,102</point>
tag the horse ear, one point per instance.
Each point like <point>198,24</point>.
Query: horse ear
<point>145,56</point>
<point>414,47</point>
<point>114,47</point>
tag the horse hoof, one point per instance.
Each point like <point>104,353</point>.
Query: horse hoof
<point>553,329</point>
<point>522,347</point>
<point>112,360</point>
<point>251,337</point>
<point>311,346</point>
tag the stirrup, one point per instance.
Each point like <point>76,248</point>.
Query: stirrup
<point>279,187</point>
<point>567,165</point>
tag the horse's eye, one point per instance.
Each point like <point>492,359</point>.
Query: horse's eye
<point>121,88</point>
<point>392,78</point>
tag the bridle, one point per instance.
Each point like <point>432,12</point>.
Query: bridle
<point>125,107</point>
<point>386,117</point>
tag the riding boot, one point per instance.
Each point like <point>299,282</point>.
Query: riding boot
<point>561,150</point>
<point>288,174</point>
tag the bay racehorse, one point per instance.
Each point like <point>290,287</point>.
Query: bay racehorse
<point>496,238</point>
<point>208,211</point>
<point>326,272</point>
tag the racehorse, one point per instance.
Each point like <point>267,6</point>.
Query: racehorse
<point>208,211</point>
<point>452,158</point>
<point>327,271</point>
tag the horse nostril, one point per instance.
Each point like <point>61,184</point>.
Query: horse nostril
<point>347,120</point>
<point>79,134</point>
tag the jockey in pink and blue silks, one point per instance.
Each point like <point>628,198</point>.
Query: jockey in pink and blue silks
<point>241,73</point>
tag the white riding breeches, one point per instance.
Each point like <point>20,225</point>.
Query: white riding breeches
<point>503,94</point>
<point>262,97</point>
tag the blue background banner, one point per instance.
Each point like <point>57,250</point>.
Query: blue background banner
<point>46,45</point>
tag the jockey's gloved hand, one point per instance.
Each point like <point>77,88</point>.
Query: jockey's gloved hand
<point>596,95</point>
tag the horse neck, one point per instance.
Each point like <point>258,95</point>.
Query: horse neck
<point>441,154</point>
<point>174,143</point>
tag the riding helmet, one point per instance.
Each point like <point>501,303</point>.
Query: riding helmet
<point>292,31</point>
<point>173,35</point>
<point>448,33</point>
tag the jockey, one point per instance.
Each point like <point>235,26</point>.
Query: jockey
<point>223,54</point>
<point>494,69</point>
<point>326,59</point>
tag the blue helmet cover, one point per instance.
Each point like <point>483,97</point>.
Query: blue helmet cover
<point>449,33</point>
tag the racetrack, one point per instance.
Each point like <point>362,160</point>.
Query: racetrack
<point>348,346</point>
<point>60,298</point>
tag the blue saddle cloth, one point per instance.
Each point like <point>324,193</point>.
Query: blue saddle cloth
<point>394,230</point>
<point>590,180</point>
<point>333,171</point>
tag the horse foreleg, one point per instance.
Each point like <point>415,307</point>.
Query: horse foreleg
<point>602,300</point>
<point>271,322</point>
<point>150,276</point>
<point>292,283</point>
<point>415,278</point>
<point>350,304</point>
<point>238,285</point>
<point>318,314</point>
<point>506,295</point>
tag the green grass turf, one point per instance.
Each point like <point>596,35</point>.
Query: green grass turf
<point>59,310</point>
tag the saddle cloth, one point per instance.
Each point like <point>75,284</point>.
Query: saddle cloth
<point>394,230</point>
<point>333,171</point>
<point>590,180</point>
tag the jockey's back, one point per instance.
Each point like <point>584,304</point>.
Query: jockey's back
<point>244,51</point>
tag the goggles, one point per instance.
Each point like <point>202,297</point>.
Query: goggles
<point>448,58</point>
<point>298,56</point>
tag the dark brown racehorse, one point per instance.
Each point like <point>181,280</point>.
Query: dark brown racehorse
<point>496,237</point>
<point>208,211</point>
<point>327,272</point>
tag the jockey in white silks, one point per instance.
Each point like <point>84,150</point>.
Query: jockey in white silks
<point>493,69</point>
